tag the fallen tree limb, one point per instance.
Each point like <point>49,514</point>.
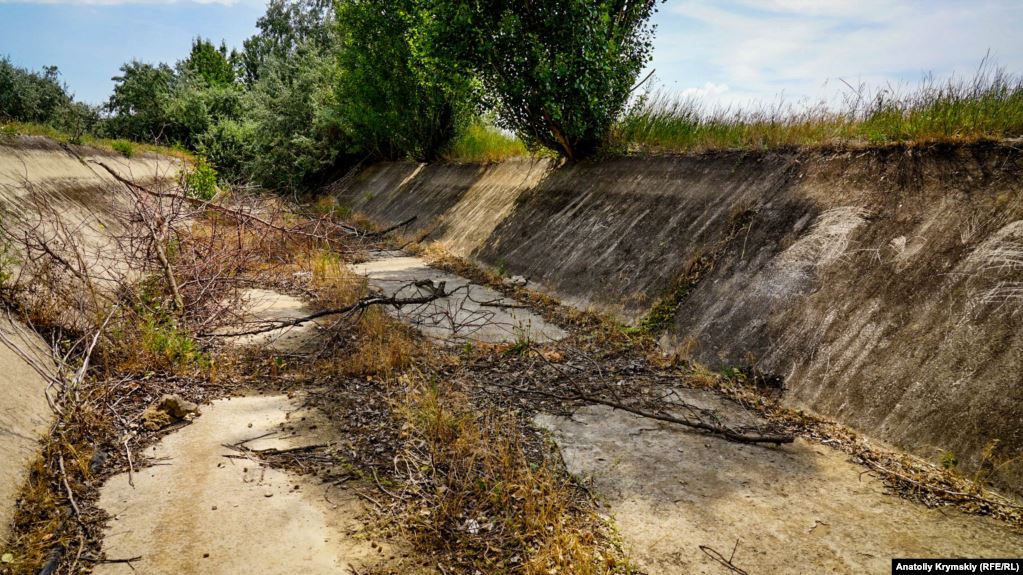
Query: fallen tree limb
<point>732,434</point>
<point>436,291</point>
<point>740,436</point>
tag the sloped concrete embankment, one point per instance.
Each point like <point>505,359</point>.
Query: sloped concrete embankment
<point>40,182</point>
<point>884,284</point>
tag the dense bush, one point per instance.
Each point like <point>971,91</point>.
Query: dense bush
<point>27,96</point>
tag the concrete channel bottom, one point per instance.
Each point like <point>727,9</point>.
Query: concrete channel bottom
<point>471,313</point>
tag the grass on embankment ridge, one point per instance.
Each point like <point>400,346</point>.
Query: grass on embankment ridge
<point>483,143</point>
<point>125,148</point>
<point>988,106</point>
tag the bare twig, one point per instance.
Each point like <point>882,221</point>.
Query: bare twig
<point>727,563</point>
<point>67,486</point>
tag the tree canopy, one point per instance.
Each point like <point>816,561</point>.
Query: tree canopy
<point>327,83</point>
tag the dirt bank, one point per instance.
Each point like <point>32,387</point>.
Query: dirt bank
<point>881,284</point>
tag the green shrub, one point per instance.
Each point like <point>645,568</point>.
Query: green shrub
<point>28,96</point>
<point>201,181</point>
<point>123,147</point>
<point>161,338</point>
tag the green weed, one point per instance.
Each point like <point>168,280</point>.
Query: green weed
<point>483,143</point>
<point>201,180</point>
<point>949,460</point>
<point>161,338</point>
<point>123,147</point>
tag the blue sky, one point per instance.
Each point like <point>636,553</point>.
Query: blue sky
<point>725,51</point>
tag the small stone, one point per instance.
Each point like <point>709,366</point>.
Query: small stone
<point>214,507</point>
<point>205,555</point>
<point>167,410</point>
<point>268,494</point>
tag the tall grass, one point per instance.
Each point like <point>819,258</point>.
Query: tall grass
<point>483,143</point>
<point>987,106</point>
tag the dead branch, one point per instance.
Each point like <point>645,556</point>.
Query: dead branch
<point>238,214</point>
<point>726,563</point>
<point>730,433</point>
<point>435,292</point>
<point>67,486</point>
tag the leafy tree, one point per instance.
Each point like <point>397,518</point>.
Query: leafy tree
<point>30,96</point>
<point>211,64</point>
<point>138,106</point>
<point>285,28</point>
<point>297,132</point>
<point>394,101</point>
<point>559,71</point>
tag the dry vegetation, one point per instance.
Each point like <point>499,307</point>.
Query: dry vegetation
<point>988,106</point>
<point>123,147</point>
<point>478,488</point>
<point>438,441</point>
<point>618,353</point>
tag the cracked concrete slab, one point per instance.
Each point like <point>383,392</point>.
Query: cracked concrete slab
<point>471,313</point>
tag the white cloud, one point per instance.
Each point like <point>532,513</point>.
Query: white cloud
<point>708,89</point>
<point>802,48</point>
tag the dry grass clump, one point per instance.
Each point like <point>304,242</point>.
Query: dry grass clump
<point>50,528</point>
<point>491,496</point>
<point>385,347</point>
<point>333,282</point>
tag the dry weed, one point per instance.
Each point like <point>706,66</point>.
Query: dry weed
<point>385,348</point>
<point>491,495</point>
<point>333,282</point>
